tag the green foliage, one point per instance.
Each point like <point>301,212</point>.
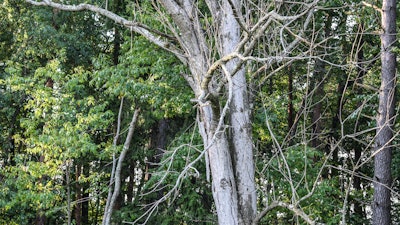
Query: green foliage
<point>150,81</point>
<point>191,200</point>
<point>51,131</point>
<point>294,174</point>
<point>49,125</point>
<point>60,125</point>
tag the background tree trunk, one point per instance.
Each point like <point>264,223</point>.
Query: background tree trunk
<point>290,108</point>
<point>385,118</point>
<point>78,196</point>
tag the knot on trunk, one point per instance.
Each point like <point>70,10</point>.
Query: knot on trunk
<point>224,183</point>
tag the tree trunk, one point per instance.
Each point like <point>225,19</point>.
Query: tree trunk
<point>131,184</point>
<point>78,196</point>
<point>242,149</point>
<point>290,110</point>
<point>319,73</point>
<point>223,181</point>
<point>41,217</point>
<point>158,142</point>
<point>319,94</point>
<point>85,196</point>
<point>241,143</point>
<point>231,157</point>
<point>385,118</point>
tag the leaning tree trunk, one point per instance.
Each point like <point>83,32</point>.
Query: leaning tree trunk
<point>385,118</point>
<point>111,202</point>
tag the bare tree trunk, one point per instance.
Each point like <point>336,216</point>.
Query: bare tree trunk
<point>223,181</point>
<point>385,118</point>
<point>241,127</point>
<point>242,150</point>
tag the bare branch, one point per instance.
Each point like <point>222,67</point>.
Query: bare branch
<point>372,6</point>
<point>296,211</point>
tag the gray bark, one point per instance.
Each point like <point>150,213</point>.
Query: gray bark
<point>241,143</point>
<point>229,179</point>
<point>385,118</point>
<point>223,181</point>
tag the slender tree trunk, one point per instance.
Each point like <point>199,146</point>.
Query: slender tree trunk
<point>358,208</point>
<point>41,217</point>
<point>117,35</point>
<point>78,196</point>
<point>131,183</point>
<point>85,197</point>
<point>117,175</point>
<point>336,122</point>
<point>319,73</point>
<point>290,110</point>
<point>385,118</point>
<point>68,184</point>
<point>115,142</point>
<point>319,93</point>
<point>158,142</point>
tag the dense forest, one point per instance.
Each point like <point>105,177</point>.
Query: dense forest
<point>199,112</point>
